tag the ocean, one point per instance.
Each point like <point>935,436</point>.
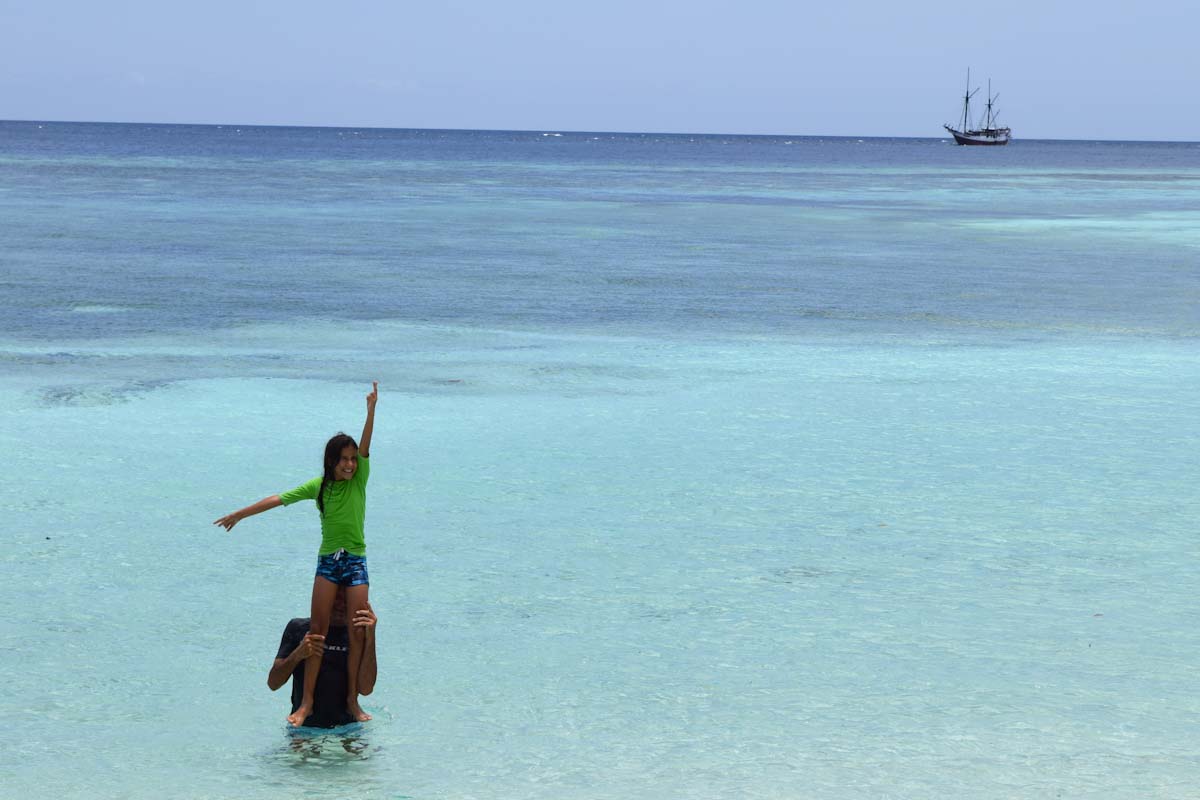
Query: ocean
<point>704,466</point>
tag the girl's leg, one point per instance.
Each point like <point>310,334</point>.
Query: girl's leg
<point>324,593</point>
<point>356,598</point>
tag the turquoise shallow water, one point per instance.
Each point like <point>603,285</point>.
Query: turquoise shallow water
<point>637,527</point>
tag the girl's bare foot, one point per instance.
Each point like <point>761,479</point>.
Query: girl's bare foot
<point>297,717</point>
<point>356,711</point>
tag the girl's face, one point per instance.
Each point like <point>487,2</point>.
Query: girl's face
<point>347,463</point>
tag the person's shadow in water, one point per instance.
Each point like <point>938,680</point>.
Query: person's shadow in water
<point>327,748</point>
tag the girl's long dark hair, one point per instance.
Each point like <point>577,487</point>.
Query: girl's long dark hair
<point>333,454</point>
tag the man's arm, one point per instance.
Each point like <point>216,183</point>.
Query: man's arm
<point>364,441</point>
<point>282,668</point>
<point>365,618</point>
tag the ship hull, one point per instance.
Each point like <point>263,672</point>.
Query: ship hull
<point>994,137</point>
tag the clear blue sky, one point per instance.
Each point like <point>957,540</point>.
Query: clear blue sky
<point>1063,70</point>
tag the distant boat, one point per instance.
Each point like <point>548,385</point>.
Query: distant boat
<point>988,132</point>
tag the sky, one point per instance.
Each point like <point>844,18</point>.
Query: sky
<point>1063,70</point>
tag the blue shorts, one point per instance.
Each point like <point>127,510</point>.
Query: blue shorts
<point>342,568</point>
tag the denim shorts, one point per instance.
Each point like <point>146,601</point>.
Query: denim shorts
<point>342,568</point>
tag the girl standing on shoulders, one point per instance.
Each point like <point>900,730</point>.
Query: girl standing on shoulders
<point>341,497</point>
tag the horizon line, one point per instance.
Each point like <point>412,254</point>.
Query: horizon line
<point>544,131</point>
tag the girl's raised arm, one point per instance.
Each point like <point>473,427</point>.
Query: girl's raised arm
<point>364,441</point>
<point>266,504</point>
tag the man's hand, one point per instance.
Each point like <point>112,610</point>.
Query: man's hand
<point>312,645</point>
<point>365,618</point>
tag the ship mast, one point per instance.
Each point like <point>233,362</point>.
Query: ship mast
<point>965,125</point>
<point>990,123</point>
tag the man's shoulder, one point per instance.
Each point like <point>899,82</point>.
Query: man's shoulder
<point>298,626</point>
<point>293,633</point>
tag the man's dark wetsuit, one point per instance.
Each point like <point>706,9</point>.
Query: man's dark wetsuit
<point>329,697</point>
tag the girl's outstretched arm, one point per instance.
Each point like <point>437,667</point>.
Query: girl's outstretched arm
<point>364,441</point>
<point>266,504</point>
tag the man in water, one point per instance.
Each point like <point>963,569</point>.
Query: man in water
<point>329,697</point>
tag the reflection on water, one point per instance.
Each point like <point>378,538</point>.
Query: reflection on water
<point>324,748</point>
<point>320,762</point>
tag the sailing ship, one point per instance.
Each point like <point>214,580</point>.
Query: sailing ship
<point>988,131</point>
